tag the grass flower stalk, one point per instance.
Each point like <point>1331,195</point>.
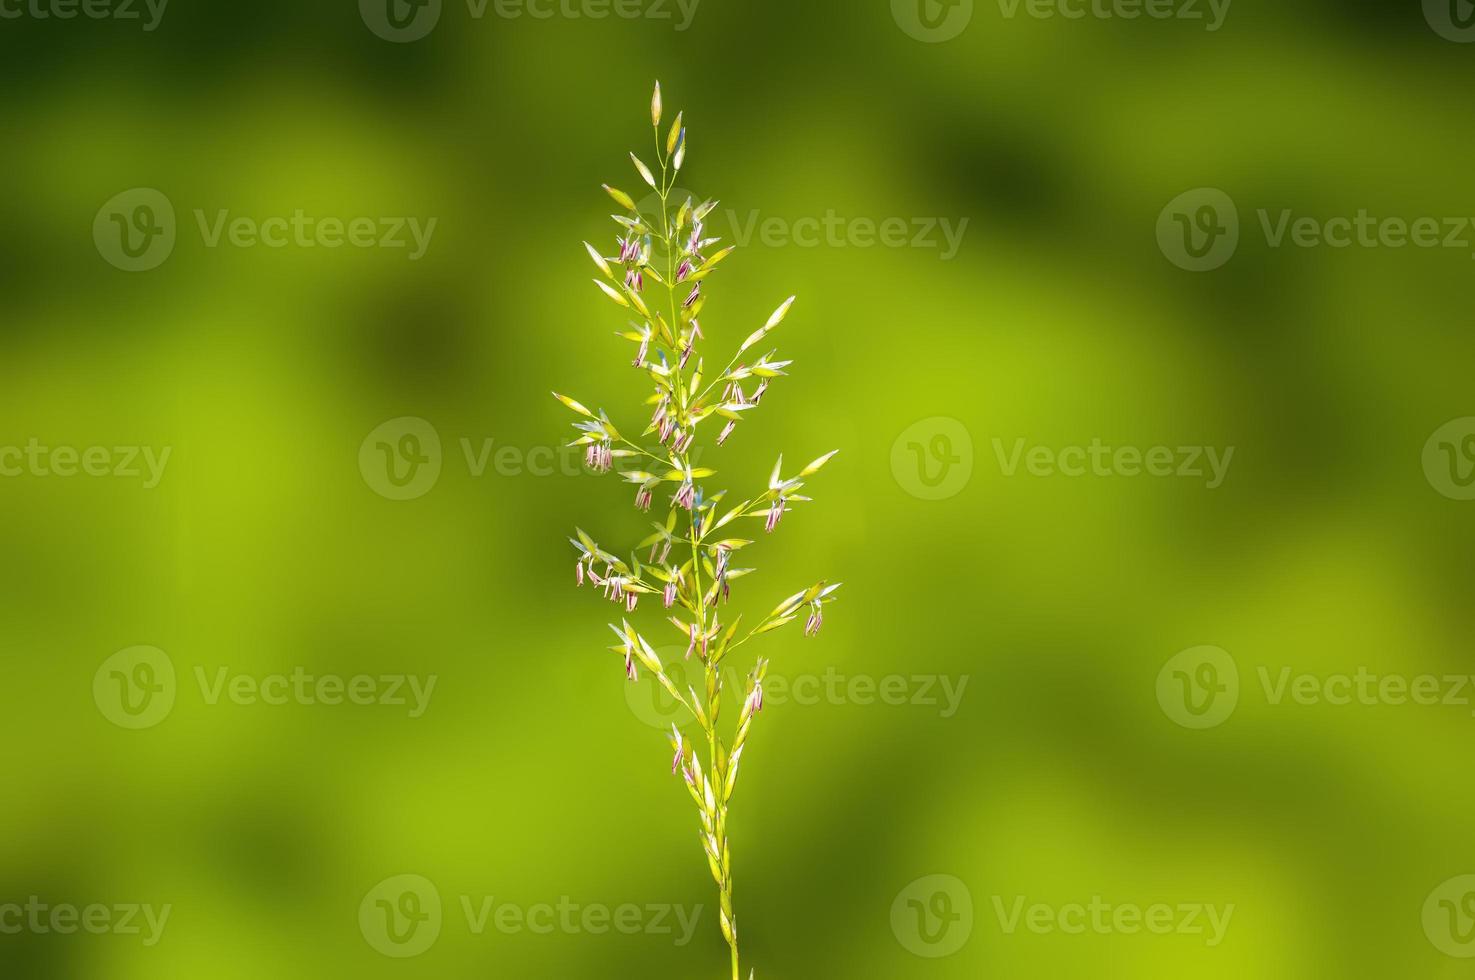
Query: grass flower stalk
<point>688,559</point>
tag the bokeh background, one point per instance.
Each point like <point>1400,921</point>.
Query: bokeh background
<point>534,774</point>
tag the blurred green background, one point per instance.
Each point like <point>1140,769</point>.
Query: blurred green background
<point>533,775</point>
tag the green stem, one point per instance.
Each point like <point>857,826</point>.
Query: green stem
<point>645,452</point>
<point>699,605</point>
